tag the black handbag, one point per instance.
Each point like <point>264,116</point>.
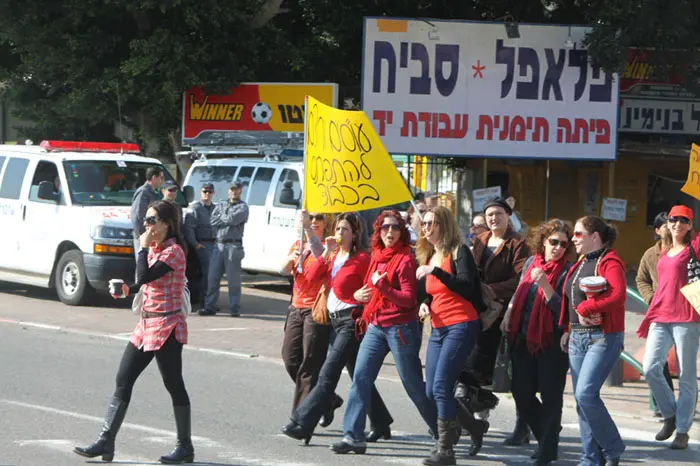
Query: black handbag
<point>502,371</point>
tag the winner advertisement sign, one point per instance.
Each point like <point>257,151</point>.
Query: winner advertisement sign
<point>455,88</point>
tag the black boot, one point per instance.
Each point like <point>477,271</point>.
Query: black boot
<point>667,430</point>
<point>447,437</point>
<point>184,450</point>
<point>328,416</point>
<point>520,435</point>
<point>104,445</point>
<point>476,427</point>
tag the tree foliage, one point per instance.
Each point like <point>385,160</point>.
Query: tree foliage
<point>78,66</point>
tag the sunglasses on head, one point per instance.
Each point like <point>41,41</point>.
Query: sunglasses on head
<point>556,242</point>
<point>682,220</point>
<point>391,226</point>
<point>152,220</point>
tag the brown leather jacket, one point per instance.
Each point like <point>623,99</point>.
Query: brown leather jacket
<point>501,271</point>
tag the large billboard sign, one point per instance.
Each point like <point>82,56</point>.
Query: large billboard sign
<point>251,107</point>
<point>455,88</point>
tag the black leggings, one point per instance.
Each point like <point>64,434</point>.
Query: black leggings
<point>169,359</point>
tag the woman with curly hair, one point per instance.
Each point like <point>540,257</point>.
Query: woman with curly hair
<point>390,323</point>
<point>531,324</point>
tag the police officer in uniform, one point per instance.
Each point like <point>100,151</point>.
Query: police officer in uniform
<point>228,220</point>
<point>169,191</point>
<point>201,236</point>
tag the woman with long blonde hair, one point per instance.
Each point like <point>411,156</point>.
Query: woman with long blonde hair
<point>451,284</point>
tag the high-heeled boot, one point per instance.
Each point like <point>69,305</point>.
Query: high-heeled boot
<point>104,445</point>
<point>476,427</point>
<point>184,450</point>
<point>520,435</point>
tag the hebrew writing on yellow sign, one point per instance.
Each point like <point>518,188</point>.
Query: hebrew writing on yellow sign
<point>692,185</point>
<point>347,167</point>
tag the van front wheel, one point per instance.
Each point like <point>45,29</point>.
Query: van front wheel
<point>70,279</point>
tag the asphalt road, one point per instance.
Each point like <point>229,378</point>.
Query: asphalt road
<point>59,363</point>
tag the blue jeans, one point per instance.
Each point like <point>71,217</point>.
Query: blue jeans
<point>592,356</point>
<point>448,348</point>
<point>204,255</point>
<point>659,342</point>
<point>403,342</point>
<point>226,257</point>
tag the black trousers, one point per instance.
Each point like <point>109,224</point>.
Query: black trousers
<point>482,359</point>
<point>304,350</point>
<point>169,359</point>
<point>343,353</point>
<point>546,374</point>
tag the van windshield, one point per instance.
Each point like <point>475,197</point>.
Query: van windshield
<point>109,182</point>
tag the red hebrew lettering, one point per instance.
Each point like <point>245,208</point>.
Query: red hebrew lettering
<point>425,117</point>
<point>503,135</point>
<point>580,131</point>
<point>563,130</point>
<point>384,118</point>
<point>461,126</point>
<point>410,124</point>
<point>517,129</point>
<point>541,132</point>
<point>485,130</point>
<point>602,132</point>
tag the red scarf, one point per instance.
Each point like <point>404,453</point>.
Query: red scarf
<point>392,256</point>
<point>540,330</point>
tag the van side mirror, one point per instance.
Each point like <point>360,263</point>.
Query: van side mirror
<point>45,192</point>
<point>188,191</point>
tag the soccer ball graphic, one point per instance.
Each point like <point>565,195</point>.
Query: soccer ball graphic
<point>261,113</point>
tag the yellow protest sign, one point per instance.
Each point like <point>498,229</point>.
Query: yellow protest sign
<point>692,185</point>
<point>346,166</point>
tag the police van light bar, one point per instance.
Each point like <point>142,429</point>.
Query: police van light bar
<point>79,146</point>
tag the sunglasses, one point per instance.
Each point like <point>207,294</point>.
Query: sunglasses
<point>152,220</point>
<point>387,227</point>
<point>555,242</point>
<point>172,190</point>
<point>317,217</point>
<point>428,224</point>
<point>579,234</point>
<point>682,220</point>
<point>479,225</point>
<point>206,191</point>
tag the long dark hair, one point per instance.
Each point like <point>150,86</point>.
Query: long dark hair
<point>355,225</point>
<point>376,235</point>
<point>168,213</point>
<point>594,224</point>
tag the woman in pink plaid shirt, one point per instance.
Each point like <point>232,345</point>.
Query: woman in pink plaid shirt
<point>160,333</point>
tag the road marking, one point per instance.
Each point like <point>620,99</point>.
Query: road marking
<point>216,329</point>
<point>638,435</point>
<point>38,325</point>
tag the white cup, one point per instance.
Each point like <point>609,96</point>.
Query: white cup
<point>115,287</point>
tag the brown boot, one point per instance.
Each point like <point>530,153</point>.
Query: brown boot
<point>667,430</point>
<point>680,442</point>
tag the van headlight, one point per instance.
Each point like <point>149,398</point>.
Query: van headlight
<point>113,235</point>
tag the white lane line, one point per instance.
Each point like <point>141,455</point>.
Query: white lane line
<point>39,325</point>
<point>190,330</point>
<point>66,446</point>
<point>639,435</point>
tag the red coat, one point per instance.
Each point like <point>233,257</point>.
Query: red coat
<point>610,303</point>
<point>348,279</point>
<point>402,295</point>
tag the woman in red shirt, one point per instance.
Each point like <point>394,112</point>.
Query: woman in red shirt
<point>450,282</point>
<point>343,268</point>
<point>671,320</point>
<point>595,336</point>
<point>390,318</point>
<point>161,332</point>
<point>305,342</point>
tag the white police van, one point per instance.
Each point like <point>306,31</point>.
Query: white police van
<point>65,218</point>
<point>272,188</point>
